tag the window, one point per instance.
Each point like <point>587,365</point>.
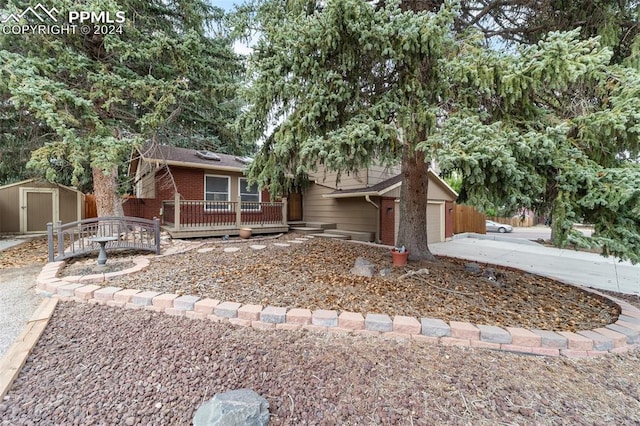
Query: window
<point>249,195</point>
<point>216,188</point>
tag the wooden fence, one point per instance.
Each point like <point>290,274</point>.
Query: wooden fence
<point>527,221</point>
<point>468,219</point>
<point>90,207</point>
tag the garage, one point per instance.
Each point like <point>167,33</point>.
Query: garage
<point>435,222</point>
<point>439,210</point>
<point>26,207</point>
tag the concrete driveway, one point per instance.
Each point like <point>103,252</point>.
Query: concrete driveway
<point>586,269</point>
<point>18,299</point>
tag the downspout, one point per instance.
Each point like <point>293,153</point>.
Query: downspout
<point>368,200</point>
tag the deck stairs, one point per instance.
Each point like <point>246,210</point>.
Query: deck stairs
<point>328,230</point>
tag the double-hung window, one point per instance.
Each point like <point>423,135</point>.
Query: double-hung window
<point>216,192</point>
<point>250,197</point>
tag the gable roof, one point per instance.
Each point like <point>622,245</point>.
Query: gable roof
<point>41,181</point>
<point>388,185</point>
<point>173,156</point>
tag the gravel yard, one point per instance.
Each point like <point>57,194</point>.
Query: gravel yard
<point>101,365</point>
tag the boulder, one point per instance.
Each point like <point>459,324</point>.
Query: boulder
<point>241,407</point>
<point>363,268</point>
<point>472,267</point>
<point>490,274</point>
<point>385,271</point>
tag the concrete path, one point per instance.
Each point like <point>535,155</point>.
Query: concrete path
<point>7,243</point>
<point>587,269</point>
<point>18,302</point>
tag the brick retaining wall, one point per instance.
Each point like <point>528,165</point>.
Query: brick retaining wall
<point>622,336</point>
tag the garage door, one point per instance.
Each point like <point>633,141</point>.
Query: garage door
<point>435,223</point>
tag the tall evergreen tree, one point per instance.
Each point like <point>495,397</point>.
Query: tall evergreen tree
<point>351,82</point>
<point>166,72</point>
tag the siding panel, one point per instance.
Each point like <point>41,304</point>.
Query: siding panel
<point>353,214</point>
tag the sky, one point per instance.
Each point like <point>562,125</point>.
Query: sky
<point>225,4</point>
<point>228,5</point>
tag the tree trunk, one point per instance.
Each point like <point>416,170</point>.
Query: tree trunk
<point>412,232</point>
<point>105,188</point>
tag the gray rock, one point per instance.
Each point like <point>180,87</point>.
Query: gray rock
<point>363,268</point>
<point>384,272</point>
<point>490,274</point>
<point>472,267</point>
<point>241,407</point>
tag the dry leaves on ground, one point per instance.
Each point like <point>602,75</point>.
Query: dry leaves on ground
<point>31,252</point>
<point>315,275</point>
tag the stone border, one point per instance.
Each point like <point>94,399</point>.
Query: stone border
<point>49,274</point>
<point>619,337</point>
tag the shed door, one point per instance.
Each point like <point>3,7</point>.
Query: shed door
<point>435,222</point>
<point>39,206</point>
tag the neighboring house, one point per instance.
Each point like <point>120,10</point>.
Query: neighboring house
<point>27,206</point>
<point>200,193</point>
<point>368,201</point>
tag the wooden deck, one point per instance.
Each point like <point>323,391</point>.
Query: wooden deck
<point>200,218</point>
<point>220,231</point>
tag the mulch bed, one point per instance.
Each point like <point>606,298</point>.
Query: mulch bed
<point>316,275</point>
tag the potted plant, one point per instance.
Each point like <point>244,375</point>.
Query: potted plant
<point>399,256</point>
<point>245,233</point>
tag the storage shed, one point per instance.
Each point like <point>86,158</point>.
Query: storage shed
<point>27,206</point>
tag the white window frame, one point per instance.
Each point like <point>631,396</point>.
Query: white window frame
<point>208,209</point>
<point>240,196</point>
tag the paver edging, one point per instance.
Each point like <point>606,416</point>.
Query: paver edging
<point>523,340</point>
<point>50,271</point>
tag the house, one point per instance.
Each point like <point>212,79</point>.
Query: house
<point>367,203</point>
<point>27,206</point>
<point>200,193</point>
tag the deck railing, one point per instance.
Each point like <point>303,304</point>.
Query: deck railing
<point>73,239</point>
<point>223,214</point>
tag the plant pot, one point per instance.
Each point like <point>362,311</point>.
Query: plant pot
<point>399,259</point>
<point>245,233</point>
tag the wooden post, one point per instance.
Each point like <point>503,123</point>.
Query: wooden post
<point>176,212</point>
<point>238,205</point>
<point>284,211</point>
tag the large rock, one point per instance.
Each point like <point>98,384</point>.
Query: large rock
<point>363,268</point>
<point>241,407</point>
<point>472,267</point>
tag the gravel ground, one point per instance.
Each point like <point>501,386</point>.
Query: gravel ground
<point>18,301</point>
<point>101,365</point>
<point>316,275</point>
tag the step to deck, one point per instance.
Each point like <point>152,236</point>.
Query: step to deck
<point>331,236</point>
<point>321,225</point>
<point>306,229</point>
<point>355,235</point>
<point>298,223</point>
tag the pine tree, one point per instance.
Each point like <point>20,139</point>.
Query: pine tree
<point>163,73</point>
<point>350,82</point>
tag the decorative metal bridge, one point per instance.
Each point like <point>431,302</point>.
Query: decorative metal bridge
<point>75,238</point>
